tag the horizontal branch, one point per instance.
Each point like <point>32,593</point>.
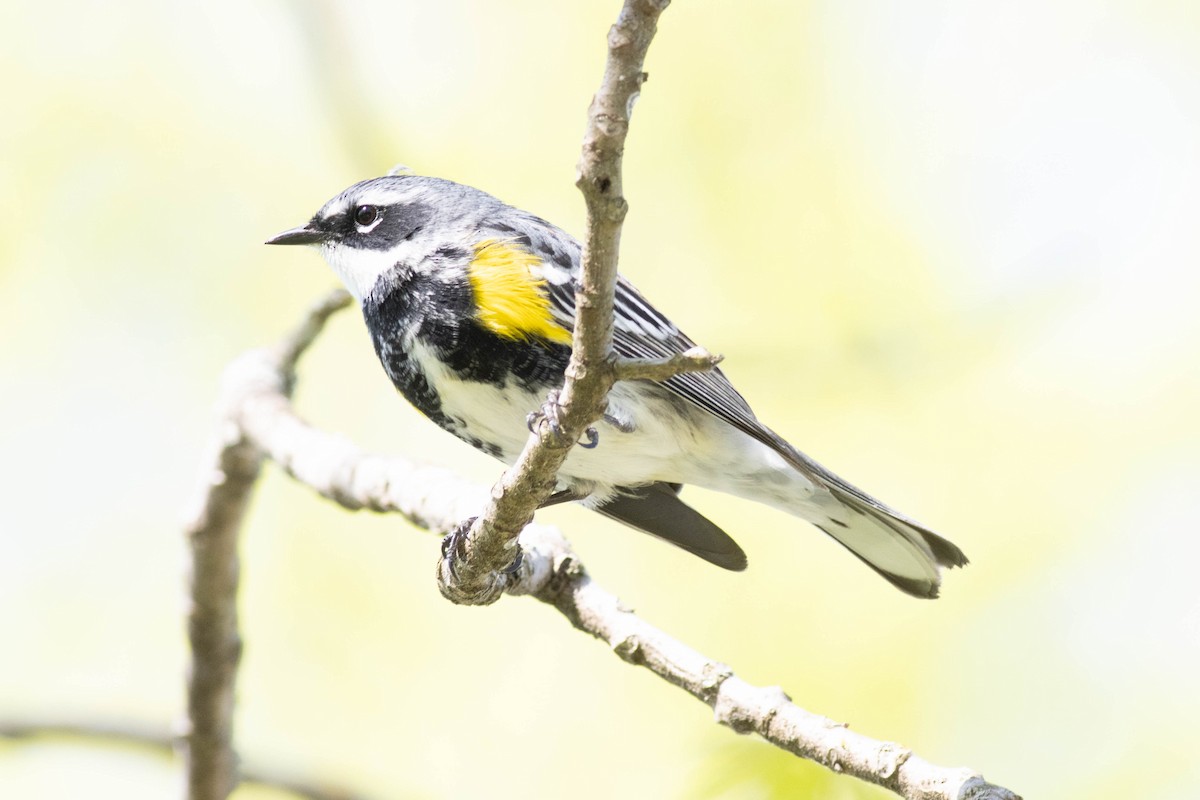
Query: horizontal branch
<point>162,742</point>
<point>550,571</point>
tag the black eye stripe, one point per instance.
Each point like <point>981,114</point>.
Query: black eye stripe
<point>389,225</point>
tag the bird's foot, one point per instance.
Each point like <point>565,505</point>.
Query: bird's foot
<point>454,548</point>
<point>550,416</point>
<point>454,544</point>
<point>512,568</point>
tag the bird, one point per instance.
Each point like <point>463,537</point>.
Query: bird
<point>470,306</point>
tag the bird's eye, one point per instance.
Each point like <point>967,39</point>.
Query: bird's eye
<point>365,215</point>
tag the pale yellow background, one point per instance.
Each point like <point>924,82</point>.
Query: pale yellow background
<point>949,249</point>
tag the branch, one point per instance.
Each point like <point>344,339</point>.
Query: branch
<point>476,568</point>
<point>230,471</point>
<point>436,499</point>
<point>500,551</point>
<point>697,359</point>
<point>163,742</point>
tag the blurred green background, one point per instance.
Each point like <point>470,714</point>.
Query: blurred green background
<point>950,250</point>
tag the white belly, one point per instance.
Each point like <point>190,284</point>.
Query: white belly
<point>667,439</point>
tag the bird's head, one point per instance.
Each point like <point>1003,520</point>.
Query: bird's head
<point>375,225</point>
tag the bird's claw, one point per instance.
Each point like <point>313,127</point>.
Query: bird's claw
<point>454,549</point>
<point>546,416</point>
<point>454,544</point>
<point>550,416</point>
<point>512,568</point>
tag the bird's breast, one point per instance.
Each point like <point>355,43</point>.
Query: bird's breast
<point>471,382</point>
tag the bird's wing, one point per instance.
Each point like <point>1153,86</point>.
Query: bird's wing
<point>657,510</point>
<point>639,329</point>
<point>642,331</point>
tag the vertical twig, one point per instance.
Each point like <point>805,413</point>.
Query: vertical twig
<point>599,178</point>
<point>477,575</point>
<point>212,533</point>
<point>231,469</point>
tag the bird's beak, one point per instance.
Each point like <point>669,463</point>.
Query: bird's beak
<point>305,234</point>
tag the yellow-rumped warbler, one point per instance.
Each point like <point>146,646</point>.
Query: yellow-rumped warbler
<point>470,304</point>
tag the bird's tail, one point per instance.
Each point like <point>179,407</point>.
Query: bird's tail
<point>907,554</point>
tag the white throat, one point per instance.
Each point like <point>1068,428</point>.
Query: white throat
<point>360,270</point>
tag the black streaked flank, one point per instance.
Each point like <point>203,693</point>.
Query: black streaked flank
<point>440,316</point>
<point>486,447</point>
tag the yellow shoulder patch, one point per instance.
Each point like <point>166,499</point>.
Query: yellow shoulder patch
<point>510,300</point>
